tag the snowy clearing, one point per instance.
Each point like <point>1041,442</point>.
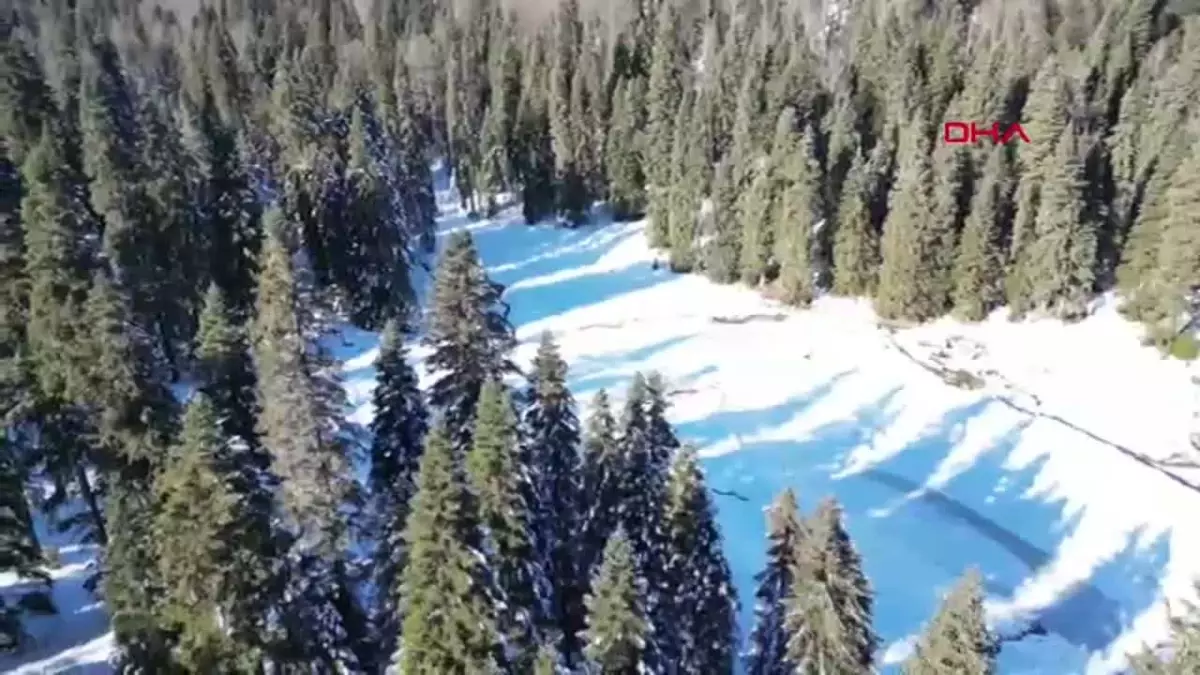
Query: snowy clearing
<point>1031,451</point>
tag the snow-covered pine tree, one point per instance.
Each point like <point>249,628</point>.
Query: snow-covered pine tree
<point>552,457</point>
<point>830,605</point>
<point>135,420</point>
<point>470,337</point>
<point>303,428</point>
<point>767,652</point>
<point>618,632</point>
<point>195,527</point>
<point>603,470</point>
<point>225,377</point>
<point>397,439</point>
<point>449,617</point>
<point>496,477</point>
<point>647,444</point>
<point>225,373</point>
<point>697,589</point>
<point>957,640</point>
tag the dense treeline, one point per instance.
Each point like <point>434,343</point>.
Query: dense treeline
<point>192,204</point>
<point>799,147</point>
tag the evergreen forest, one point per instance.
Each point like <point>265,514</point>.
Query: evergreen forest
<point>196,198</point>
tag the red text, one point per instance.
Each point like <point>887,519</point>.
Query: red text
<point>958,133</point>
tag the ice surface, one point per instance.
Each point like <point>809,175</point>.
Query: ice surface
<point>1045,475</point>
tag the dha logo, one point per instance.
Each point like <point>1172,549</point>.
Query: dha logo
<point>968,133</point>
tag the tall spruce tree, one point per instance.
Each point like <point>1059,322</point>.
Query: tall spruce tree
<point>647,445</point>
<point>497,479</point>
<point>469,335</point>
<point>830,605</point>
<point>856,242</point>
<point>301,416</point>
<point>618,632</point>
<point>754,206</point>
<point>603,469</point>
<point>302,427</point>
<point>58,264</point>
<point>664,91</point>
<point>910,286</point>
<point>398,430</point>
<point>225,374</point>
<point>767,653</point>
<point>1166,291</point>
<point>449,619</point>
<point>957,641</point>
<point>623,159</point>
<point>196,514</point>
<point>702,603</point>
<point>552,455</point>
<point>1055,269</point>
<point>722,250</point>
<point>798,210</point>
<point>979,266</point>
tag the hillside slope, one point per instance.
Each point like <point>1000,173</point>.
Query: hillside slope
<point>1000,445</point>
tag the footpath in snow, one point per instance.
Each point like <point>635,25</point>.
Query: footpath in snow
<point>1030,451</point>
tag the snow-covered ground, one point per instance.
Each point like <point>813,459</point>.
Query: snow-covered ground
<point>1027,450</point>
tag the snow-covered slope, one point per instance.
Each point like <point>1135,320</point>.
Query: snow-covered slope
<point>1027,450</point>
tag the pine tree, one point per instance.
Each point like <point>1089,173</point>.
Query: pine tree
<point>57,266</point>
<point>767,654</point>
<point>229,209</point>
<point>1045,118</point>
<point>495,474</point>
<point>16,385</point>
<point>196,513</point>
<point>957,641</point>
<point>664,91</point>
<point>910,275</point>
<point>623,159</point>
<point>647,445</point>
<point>617,631</point>
<point>177,261</point>
<point>856,243</point>
<point>1165,291</point>
<point>226,372</point>
<point>301,417</point>
<point>754,206</point>
<point>132,588</point>
<point>1055,270</point>
<point>135,418</point>
<point>470,337</point>
<point>979,266</point>
<point>702,603</point>
<point>449,622</point>
<point>493,155</point>
<point>722,248</point>
<point>398,430</point>
<point>830,605</point>
<point>798,210</point>
<point>553,458</point>
<point>603,469</point>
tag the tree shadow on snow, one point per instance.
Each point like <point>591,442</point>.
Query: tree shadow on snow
<point>629,361</point>
<point>917,540</point>
<point>578,293</point>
